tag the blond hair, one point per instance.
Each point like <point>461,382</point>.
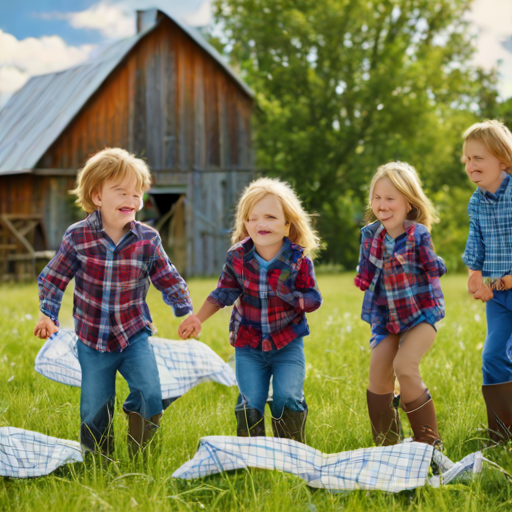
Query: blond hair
<point>495,136</point>
<point>405,178</point>
<point>108,164</point>
<point>301,231</point>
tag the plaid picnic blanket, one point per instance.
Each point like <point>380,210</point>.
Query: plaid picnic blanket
<point>181,364</point>
<point>24,453</point>
<point>390,468</point>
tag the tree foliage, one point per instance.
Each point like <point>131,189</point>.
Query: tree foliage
<point>344,86</point>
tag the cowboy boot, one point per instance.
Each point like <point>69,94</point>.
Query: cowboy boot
<point>250,423</point>
<point>97,435</point>
<point>95,442</point>
<point>291,425</point>
<point>422,417</point>
<point>141,431</point>
<point>384,417</point>
<point>498,399</point>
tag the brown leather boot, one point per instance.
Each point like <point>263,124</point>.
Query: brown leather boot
<point>291,425</point>
<point>250,423</point>
<point>422,417</point>
<point>141,431</point>
<point>384,417</point>
<point>498,399</point>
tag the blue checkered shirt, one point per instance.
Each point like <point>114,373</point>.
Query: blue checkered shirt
<point>489,245</point>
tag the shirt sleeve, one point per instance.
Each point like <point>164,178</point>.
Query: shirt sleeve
<point>474,254</point>
<point>167,280</point>
<point>228,288</point>
<point>304,294</point>
<point>432,263</point>
<point>54,278</point>
<point>362,279</point>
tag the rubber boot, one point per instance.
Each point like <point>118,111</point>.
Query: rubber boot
<point>291,425</point>
<point>250,423</point>
<point>98,434</point>
<point>498,400</point>
<point>95,442</point>
<point>422,417</point>
<point>140,431</point>
<point>384,417</point>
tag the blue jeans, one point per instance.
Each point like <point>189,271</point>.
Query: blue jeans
<point>254,368</point>
<point>496,356</point>
<point>137,364</point>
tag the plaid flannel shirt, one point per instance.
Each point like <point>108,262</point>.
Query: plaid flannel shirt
<point>111,282</point>
<point>410,277</point>
<point>489,245</point>
<point>289,287</point>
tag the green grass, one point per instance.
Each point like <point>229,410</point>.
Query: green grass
<point>337,357</point>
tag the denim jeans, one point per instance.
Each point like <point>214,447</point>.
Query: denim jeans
<point>497,353</point>
<point>288,368</point>
<point>137,364</point>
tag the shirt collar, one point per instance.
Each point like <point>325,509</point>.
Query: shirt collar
<point>497,195</point>
<point>285,254</point>
<point>95,223</point>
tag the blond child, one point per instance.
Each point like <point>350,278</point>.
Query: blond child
<point>112,258</point>
<point>487,154</point>
<point>399,272</point>
<point>269,278</point>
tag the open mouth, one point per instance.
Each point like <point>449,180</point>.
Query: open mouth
<point>263,232</point>
<point>126,210</point>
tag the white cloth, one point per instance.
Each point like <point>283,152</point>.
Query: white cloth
<point>390,468</point>
<point>24,453</point>
<point>181,364</point>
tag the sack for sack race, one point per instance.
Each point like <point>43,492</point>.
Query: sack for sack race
<point>181,364</point>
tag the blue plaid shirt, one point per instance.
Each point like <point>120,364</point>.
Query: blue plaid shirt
<point>489,245</point>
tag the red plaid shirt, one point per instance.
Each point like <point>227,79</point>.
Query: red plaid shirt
<point>288,286</point>
<point>111,282</point>
<point>409,279</point>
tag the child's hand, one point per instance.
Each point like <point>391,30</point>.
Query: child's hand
<point>45,327</point>
<point>484,293</point>
<point>475,281</point>
<point>189,328</point>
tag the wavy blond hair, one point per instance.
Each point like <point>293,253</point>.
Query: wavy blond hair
<point>405,178</point>
<point>301,230</point>
<point>108,164</point>
<point>495,136</point>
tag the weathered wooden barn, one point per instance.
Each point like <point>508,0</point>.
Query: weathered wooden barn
<point>164,94</point>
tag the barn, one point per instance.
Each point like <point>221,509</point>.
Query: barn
<point>164,94</point>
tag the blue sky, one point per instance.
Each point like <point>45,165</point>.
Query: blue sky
<point>42,36</point>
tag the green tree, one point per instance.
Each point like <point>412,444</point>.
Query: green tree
<point>346,85</point>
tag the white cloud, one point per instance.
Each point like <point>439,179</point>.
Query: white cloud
<point>21,59</point>
<point>493,20</point>
<point>115,19</point>
<point>109,20</point>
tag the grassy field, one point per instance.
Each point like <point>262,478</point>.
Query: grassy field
<point>337,357</point>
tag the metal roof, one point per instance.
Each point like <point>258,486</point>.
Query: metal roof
<point>37,114</point>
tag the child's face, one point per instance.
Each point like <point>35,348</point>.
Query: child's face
<point>119,201</point>
<point>267,225</point>
<point>390,206</point>
<point>482,167</point>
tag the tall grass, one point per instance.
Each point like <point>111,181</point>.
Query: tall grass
<point>337,357</point>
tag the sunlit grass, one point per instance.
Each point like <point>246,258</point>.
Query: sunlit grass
<point>337,357</point>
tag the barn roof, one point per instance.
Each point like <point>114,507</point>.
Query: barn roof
<point>39,112</point>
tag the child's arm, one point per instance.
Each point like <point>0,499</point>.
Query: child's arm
<point>474,257</point>
<point>167,280</point>
<point>432,264</point>
<point>227,292</point>
<point>52,282</point>
<point>304,294</point>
